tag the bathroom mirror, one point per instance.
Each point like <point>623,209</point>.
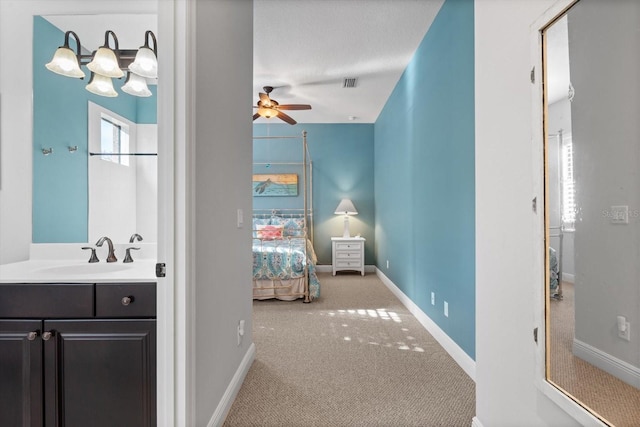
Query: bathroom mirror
<point>77,196</point>
<point>591,56</point>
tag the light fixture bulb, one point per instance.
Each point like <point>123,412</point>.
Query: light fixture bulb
<point>145,64</point>
<point>267,113</point>
<point>101,85</point>
<point>105,63</point>
<point>136,86</point>
<point>65,62</point>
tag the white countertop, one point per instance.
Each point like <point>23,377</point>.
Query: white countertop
<point>74,271</point>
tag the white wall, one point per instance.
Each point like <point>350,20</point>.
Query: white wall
<point>16,36</point>
<point>506,274</point>
<point>223,167</point>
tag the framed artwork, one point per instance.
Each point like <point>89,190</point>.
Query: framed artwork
<point>277,184</point>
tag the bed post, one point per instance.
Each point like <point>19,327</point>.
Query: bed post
<point>305,213</point>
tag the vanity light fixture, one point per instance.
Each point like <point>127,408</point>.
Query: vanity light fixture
<point>107,63</point>
<point>101,85</point>
<point>146,61</point>
<point>65,61</point>
<point>105,60</point>
<point>136,85</point>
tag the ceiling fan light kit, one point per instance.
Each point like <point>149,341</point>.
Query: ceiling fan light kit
<point>107,63</point>
<point>269,108</point>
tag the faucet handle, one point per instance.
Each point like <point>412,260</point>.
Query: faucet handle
<point>127,256</point>
<point>94,257</point>
<point>134,237</point>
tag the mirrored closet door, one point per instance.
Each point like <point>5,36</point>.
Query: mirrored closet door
<point>591,58</point>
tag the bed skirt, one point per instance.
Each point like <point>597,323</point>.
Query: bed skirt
<point>286,290</point>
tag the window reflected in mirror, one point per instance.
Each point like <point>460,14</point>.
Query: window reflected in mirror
<point>591,55</point>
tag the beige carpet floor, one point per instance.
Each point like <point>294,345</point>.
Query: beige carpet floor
<point>354,357</point>
<point>613,399</point>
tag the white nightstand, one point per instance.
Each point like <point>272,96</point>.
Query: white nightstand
<point>347,254</point>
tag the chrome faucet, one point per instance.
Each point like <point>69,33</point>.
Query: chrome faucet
<point>135,236</point>
<point>112,256</point>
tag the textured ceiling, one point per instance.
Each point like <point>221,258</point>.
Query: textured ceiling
<point>305,49</point>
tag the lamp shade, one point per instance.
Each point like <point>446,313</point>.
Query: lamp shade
<point>345,207</point>
<point>145,64</point>
<point>136,86</point>
<point>101,85</point>
<point>105,62</point>
<point>267,112</point>
<point>65,62</point>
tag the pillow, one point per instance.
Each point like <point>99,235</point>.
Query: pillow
<point>293,227</point>
<point>269,232</point>
<point>259,221</point>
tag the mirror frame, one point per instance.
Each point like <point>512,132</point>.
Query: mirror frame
<point>566,402</point>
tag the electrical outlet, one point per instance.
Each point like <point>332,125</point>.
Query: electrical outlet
<point>626,334</point>
<point>446,309</point>
<point>433,298</point>
<point>387,263</point>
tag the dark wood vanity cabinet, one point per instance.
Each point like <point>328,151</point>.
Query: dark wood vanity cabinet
<point>88,359</point>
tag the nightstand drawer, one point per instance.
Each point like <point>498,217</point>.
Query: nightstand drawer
<point>348,255</point>
<point>355,264</point>
<point>351,246</point>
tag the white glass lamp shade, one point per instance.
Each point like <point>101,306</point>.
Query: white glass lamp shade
<point>345,207</point>
<point>267,113</point>
<point>65,62</point>
<point>145,64</point>
<point>136,86</point>
<point>101,85</point>
<point>105,63</point>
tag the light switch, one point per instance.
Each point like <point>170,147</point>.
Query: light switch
<point>240,218</point>
<point>620,214</point>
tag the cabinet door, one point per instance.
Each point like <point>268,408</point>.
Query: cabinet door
<point>100,373</point>
<point>20,373</point>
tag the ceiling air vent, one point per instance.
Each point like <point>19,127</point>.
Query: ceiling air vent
<point>350,82</point>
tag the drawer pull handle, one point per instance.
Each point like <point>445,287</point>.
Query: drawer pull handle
<point>32,335</point>
<point>46,336</point>
<point>127,300</point>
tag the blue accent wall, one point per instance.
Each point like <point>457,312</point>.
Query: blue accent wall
<point>342,156</point>
<point>425,176</point>
<point>60,106</point>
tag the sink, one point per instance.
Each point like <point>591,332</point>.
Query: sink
<point>83,269</point>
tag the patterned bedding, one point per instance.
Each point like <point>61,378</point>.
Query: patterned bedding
<point>553,271</point>
<point>284,259</point>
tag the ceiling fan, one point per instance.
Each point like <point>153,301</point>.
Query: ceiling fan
<point>269,108</point>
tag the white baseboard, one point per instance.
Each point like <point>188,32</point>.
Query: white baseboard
<point>218,417</point>
<point>618,368</point>
<point>475,422</point>
<point>454,350</point>
<point>566,277</point>
<point>329,268</point>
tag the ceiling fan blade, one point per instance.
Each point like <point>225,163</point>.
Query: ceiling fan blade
<point>255,116</point>
<point>294,107</point>
<point>284,117</point>
<point>264,98</point>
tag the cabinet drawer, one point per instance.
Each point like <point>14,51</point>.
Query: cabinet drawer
<point>348,246</point>
<point>126,300</point>
<point>348,264</point>
<point>348,255</point>
<point>52,300</point>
